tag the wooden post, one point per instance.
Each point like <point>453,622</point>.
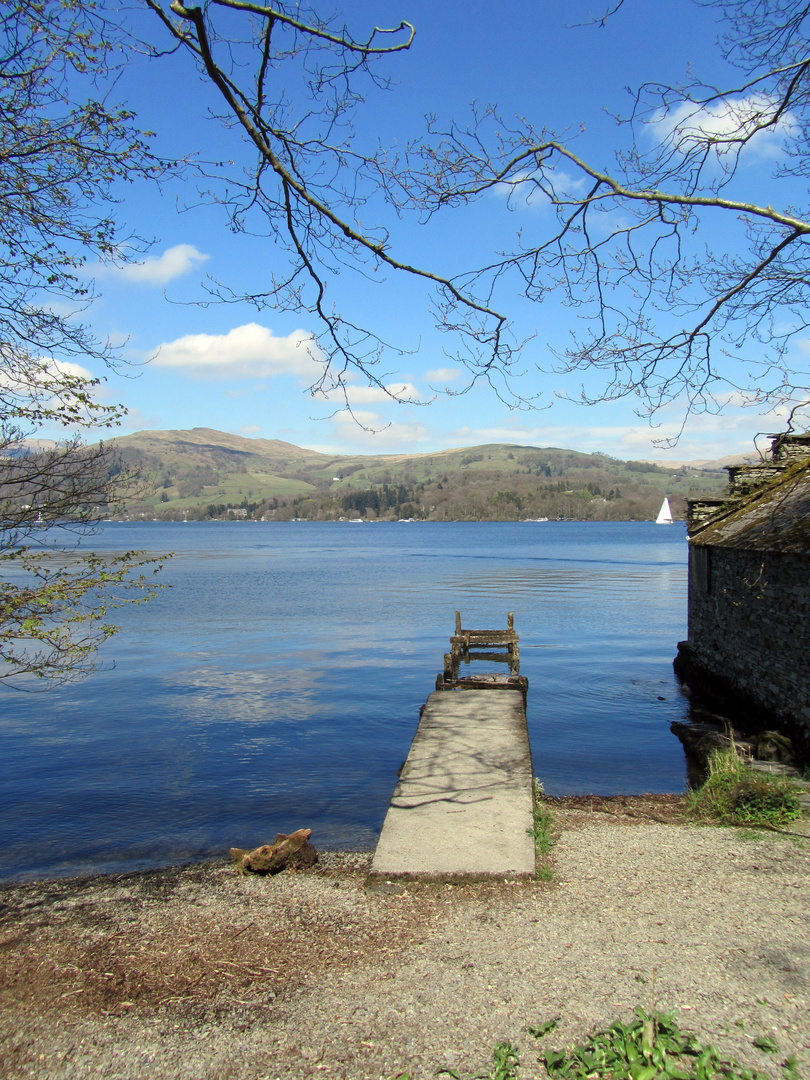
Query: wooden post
<point>463,642</point>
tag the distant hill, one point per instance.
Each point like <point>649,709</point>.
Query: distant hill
<point>203,473</point>
<point>713,464</point>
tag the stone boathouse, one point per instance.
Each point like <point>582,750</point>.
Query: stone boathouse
<point>748,651</point>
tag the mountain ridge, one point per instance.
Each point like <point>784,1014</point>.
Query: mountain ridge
<point>215,437</point>
<point>204,473</point>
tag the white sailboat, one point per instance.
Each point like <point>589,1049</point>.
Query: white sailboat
<point>664,514</point>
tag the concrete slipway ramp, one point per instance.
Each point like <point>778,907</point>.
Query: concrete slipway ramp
<point>462,810</point>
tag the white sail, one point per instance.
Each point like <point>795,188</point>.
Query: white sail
<point>664,514</point>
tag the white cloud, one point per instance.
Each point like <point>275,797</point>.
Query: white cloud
<point>137,420</point>
<point>689,126</point>
<point>250,429</point>
<point>706,437</point>
<point>246,352</point>
<point>67,367</point>
<point>62,308</point>
<point>161,269</point>
<point>523,192</point>
<point>368,395</point>
<point>117,338</point>
<point>364,431</point>
<point>609,428</point>
<point>46,374</point>
<point>442,375</point>
<point>57,387</point>
<point>362,417</point>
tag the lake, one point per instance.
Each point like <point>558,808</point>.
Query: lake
<point>276,685</point>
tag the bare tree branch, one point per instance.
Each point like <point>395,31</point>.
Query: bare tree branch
<point>62,148</point>
<point>311,177</point>
<point>671,320</point>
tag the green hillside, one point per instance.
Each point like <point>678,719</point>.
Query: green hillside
<point>204,473</point>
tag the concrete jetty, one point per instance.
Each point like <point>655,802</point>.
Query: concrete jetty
<point>462,810</point>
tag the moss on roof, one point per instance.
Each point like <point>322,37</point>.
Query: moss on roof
<point>773,517</point>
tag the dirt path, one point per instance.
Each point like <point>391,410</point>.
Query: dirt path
<point>197,973</point>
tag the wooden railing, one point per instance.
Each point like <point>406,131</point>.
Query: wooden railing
<point>469,645</point>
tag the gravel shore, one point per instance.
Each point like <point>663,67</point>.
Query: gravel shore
<point>196,972</point>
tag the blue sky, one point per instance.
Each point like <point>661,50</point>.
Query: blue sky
<point>231,367</point>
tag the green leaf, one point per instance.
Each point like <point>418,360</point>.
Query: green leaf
<point>540,1030</point>
<point>646,1072</point>
<point>767,1043</point>
<point>555,1061</point>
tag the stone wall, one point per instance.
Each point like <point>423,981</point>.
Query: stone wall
<point>749,636</point>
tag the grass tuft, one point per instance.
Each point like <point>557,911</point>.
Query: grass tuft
<point>735,794</point>
<point>543,832</point>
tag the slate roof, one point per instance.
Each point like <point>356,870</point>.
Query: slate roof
<point>774,516</point>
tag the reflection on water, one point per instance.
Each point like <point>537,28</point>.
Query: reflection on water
<point>277,684</point>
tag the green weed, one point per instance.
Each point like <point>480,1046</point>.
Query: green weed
<point>734,794</point>
<point>766,1043</point>
<point>543,832</point>
<point>650,1048</point>
<point>791,1067</point>
<point>543,827</point>
<point>539,1030</point>
<point>505,1064</point>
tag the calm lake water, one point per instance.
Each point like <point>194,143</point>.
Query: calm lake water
<point>277,683</point>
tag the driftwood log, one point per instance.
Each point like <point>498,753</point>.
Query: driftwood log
<point>293,852</point>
